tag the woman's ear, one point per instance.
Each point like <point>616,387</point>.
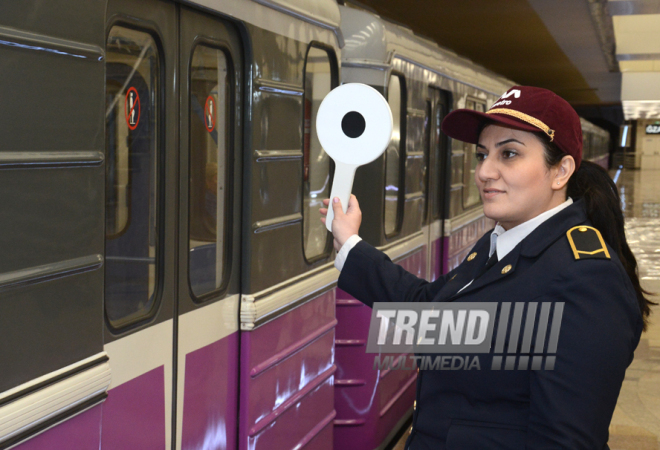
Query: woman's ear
<point>565,169</point>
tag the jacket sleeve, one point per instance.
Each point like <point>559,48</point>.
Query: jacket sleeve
<point>571,406</point>
<point>370,276</point>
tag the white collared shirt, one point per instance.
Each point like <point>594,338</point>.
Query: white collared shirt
<point>506,240</point>
<point>501,240</point>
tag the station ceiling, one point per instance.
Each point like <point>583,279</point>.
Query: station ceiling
<point>568,46</point>
<point>637,31</point>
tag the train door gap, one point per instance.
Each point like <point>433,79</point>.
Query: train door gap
<point>210,184</point>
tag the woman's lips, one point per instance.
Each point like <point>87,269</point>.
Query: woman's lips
<point>490,193</point>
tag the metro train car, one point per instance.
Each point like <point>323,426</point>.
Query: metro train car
<point>166,282</point>
<point>596,144</point>
<point>419,202</point>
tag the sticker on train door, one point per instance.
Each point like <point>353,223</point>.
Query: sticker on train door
<point>209,114</point>
<point>132,108</point>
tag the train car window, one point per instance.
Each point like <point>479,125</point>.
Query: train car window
<point>586,146</point>
<point>210,137</point>
<point>426,175</point>
<point>470,192</point>
<point>396,97</point>
<point>440,142</point>
<point>320,77</point>
<point>132,232</point>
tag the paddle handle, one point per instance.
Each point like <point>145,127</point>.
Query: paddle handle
<point>342,184</point>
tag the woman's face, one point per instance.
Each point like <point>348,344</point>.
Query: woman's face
<point>513,180</point>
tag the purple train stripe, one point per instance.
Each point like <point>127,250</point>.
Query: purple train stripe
<point>134,413</point>
<point>282,355</point>
<point>287,379</point>
<point>400,393</point>
<point>210,405</point>
<point>370,403</point>
<point>81,432</point>
<point>293,400</point>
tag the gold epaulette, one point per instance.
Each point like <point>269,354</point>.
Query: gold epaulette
<point>587,242</point>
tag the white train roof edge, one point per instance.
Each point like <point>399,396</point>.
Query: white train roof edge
<point>373,42</point>
<point>278,15</point>
<point>590,127</point>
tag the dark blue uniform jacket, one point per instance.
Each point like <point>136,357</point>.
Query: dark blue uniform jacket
<point>569,407</point>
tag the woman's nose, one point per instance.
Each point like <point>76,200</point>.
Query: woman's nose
<point>487,169</point>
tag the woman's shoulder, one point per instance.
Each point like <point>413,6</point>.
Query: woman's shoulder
<point>586,242</point>
<point>581,256</point>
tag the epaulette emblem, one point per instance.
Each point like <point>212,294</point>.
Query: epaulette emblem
<point>587,242</point>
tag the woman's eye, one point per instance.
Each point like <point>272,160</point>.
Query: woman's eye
<point>508,154</point>
<point>480,156</point>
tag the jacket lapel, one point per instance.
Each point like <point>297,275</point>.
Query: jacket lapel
<point>530,247</point>
<point>468,268</point>
<point>495,273</point>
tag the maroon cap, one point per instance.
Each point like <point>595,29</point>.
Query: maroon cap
<point>526,108</point>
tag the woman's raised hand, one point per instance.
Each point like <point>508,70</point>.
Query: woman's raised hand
<point>343,225</point>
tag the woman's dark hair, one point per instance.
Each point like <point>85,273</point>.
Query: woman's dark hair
<point>593,184</point>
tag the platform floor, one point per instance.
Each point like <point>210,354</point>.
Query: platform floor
<point>636,421</point>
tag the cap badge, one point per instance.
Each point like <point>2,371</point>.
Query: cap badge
<point>503,99</point>
<point>525,118</point>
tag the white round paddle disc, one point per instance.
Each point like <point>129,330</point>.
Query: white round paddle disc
<point>354,127</point>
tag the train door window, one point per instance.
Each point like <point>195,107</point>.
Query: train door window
<point>132,124</point>
<point>396,97</point>
<point>471,192</point>
<point>210,137</point>
<point>320,77</point>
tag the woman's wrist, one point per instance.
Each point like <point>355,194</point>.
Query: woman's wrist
<point>342,254</point>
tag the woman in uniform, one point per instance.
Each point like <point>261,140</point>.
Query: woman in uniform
<point>559,240</point>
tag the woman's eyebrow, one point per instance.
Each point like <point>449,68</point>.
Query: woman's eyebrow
<point>507,141</point>
<point>499,144</point>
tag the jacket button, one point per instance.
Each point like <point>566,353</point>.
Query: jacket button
<point>506,269</point>
<point>472,256</point>
<point>582,229</point>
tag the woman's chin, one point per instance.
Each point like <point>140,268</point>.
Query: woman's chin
<point>493,212</point>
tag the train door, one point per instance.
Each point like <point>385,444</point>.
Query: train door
<point>210,89</point>
<point>141,162</point>
<point>438,186</point>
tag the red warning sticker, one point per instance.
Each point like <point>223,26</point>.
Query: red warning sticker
<point>209,113</point>
<point>132,108</point>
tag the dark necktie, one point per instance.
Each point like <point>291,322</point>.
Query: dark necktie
<point>490,263</point>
